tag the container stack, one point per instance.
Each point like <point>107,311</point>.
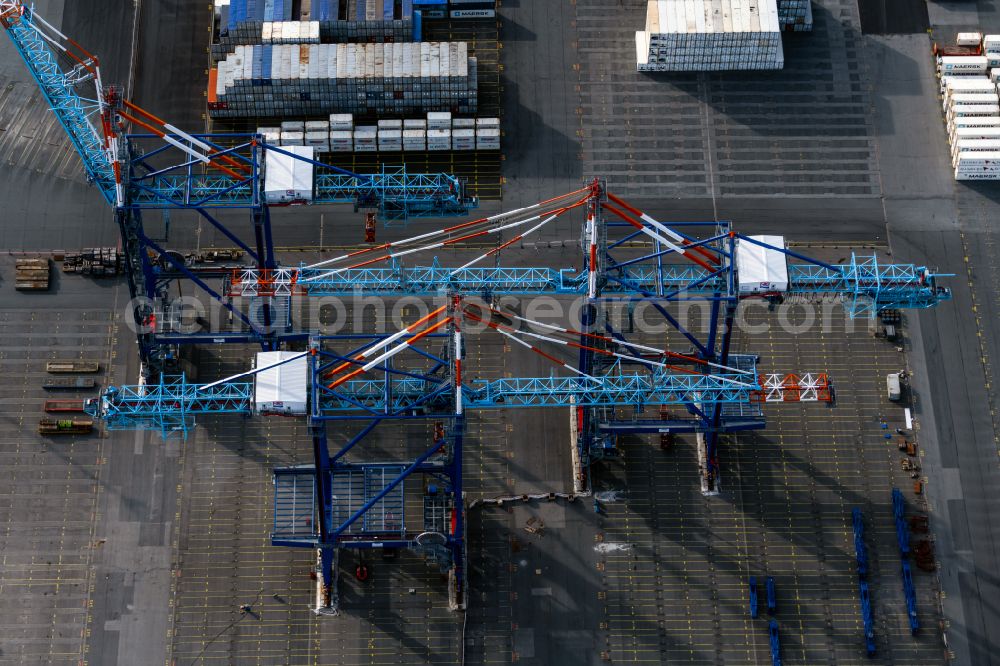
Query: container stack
<point>971,107</point>
<point>410,135</point>
<point>710,35</point>
<point>249,22</point>
<point>795,15</point>
<point>317,79</point>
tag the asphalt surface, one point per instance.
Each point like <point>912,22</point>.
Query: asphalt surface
<point>177,536</point>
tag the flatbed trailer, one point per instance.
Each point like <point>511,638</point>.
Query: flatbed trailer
<point>69,367</point>
<point>69,383</point>
<point>55,406</point>
<point>65,426</point>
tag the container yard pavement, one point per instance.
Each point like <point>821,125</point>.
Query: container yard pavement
<point>185,528</point>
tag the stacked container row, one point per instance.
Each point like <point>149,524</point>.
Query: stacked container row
<point>709,35</point>
<point>971,106</point>
<point>243,22</point>
<point>416,134</point>
<point>313,79</point>
<point>795,15</point>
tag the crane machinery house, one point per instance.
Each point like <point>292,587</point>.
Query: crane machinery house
<point>282,389</point>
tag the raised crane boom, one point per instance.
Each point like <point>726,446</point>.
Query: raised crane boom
<point>35,40</point>
<point>229,165</point>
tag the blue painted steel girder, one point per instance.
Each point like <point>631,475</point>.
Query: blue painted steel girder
<point>67,105</point>
<point>865,285</point>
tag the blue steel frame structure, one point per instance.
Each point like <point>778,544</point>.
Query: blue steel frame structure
<point>134,177</point>
<point>152,179</point>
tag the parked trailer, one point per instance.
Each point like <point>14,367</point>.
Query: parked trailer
<point>772,632</point>
<point>945,50</point>
<point>54,406</point>
<point>69,367</point>
<point>772,599</point>
<point>866,617</point>
<point>753,597</point>
<point>69,383</point>
<point>65,426</point>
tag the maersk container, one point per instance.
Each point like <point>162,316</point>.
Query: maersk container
<point>962,98</point>
<point>975,133</point>
<point>292,138</point>
<point>976,145</point>
<point>949,64</point>
<point>973,121</point>
<point>991,43</point>
<point>984,158</point>
<point>317,126</point>
<point>463,123</point>
<point>976,175</point>
<point>293,126</point>
<point>972,110</point>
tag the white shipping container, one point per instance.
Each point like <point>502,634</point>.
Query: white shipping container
<point>488,138</point>
<point>973,121</point>
<point>977,176</point>
<point>463,123</point>
<point>482,123</point>
<point>971,98</point>
<point>760,269</point>
<point>978,160</point>
<point>293,138</point>
<point>463,139</point>
<point>969,38</point>
<point>438,120</point>
<point>976,145</point>
<point>283,389</point>
<point>390,125</point>
<point>972,110</point>
<point>341,121</point>
<point>415,124</point>
<point>270,134</point>
<point>974,133</point>
<point>971,83</point>
<point>317,126</point>
<point>286,178</point>
<point>991,43</point>
<point>948,64</point>
<point>438,139</point>
<point>293,126</point>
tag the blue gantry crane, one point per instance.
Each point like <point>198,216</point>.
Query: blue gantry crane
<point>714,390</point>
<point>371,379</point>
<point>160,167</point>
<point>627,256</point>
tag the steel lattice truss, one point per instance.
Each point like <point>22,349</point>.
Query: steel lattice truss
<point>864,286</point>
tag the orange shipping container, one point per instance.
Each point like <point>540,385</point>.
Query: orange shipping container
<point>213,78</point>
